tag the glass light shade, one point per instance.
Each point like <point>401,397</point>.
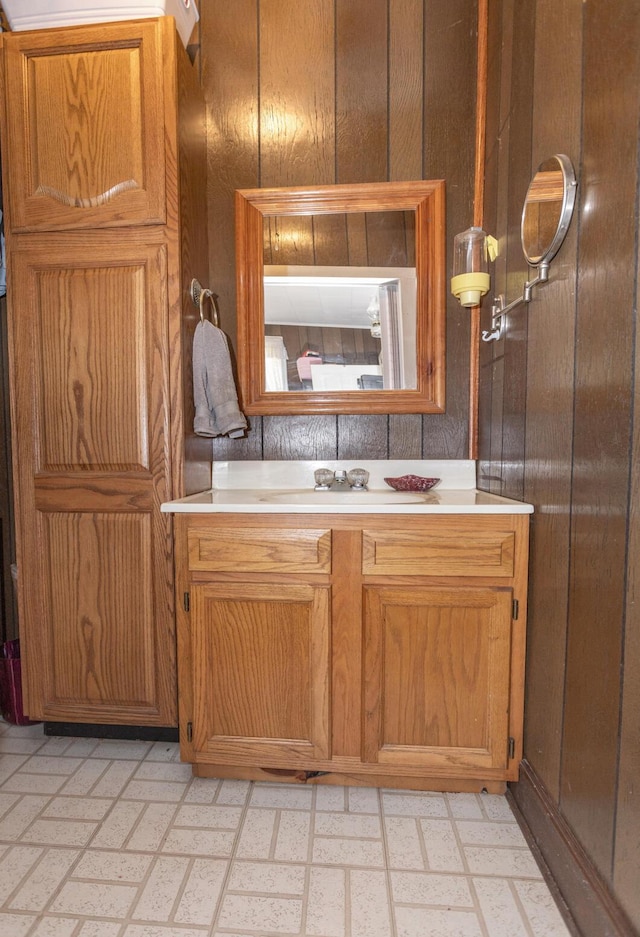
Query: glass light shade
<point>470,280</point>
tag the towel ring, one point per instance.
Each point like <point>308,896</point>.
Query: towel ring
<point>199,295</point>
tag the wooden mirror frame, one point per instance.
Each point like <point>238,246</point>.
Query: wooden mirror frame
<point>426,198</point>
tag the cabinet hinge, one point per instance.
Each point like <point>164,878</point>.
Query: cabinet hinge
<point>186,602</point>
<point>515,609</point>
<point>512,747</point>
<point>189,732</point>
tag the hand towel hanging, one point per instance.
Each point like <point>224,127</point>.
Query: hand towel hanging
<point>214,392</point>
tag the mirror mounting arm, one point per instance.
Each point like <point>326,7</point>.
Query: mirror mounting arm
<point>499,310</point>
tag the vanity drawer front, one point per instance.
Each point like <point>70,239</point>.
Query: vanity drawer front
<point>445,551</point>
<point>259,550</point>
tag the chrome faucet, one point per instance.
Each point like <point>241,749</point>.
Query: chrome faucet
<point>326,479</point>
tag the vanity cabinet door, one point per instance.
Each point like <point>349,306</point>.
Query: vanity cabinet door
<point>259,657</point>
<point>85,126</point>
<point>437,677</point>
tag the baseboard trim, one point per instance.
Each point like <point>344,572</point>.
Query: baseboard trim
<point>585,899</point>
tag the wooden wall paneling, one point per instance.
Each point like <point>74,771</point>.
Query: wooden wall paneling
<point>494,120</point>
<point>297,147</point>
<point>361,91</point>
<point>449,135</point>
<point>297,103</point>
<point>406,89</point>
<point>549,403</point>
<point>362,436</point>
<point>300,437</point>
<point>361,154</point>
<point>229,52</point>
<point>626,860</point>
<point>192,454</point>
<point>515,343</point>
<point>602,426</point>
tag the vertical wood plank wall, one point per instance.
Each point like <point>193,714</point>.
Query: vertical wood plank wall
<point>557,423</point>
<point>341,91</point>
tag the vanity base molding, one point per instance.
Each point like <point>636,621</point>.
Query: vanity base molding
<point>379,650</point>
<point>281,776</point>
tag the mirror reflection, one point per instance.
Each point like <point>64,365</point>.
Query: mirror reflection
<point>547,209</point>
<point>339,328</point>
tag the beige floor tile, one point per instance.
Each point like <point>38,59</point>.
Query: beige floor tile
<point>15,925</point>
<point>348,852</point>
<point>540,909</point>
<point>77,808</point>
<point>94,900</point>
<point>15,864</point>
<point>14,823</point>
<point>113,866</point>
<point>215,817</point>
<point>199,842</point>
<point>293,836</point>
<point>118,826</point>
<point>289,797</point>
<point>34,783</point>
<point>441,846</point>
<point>280,915</point>
<point>404,843</point>
<point>499,907</point>
<point>348,824</point>
<point>481,833</point>
<point>501,862</point>
<point>55,927</point>
<point>155,791</point>
<point>202,891</point>
<point>430,888</point>
<point>420,922</point>
<point>267,877</point>
<point>117,839</point>
<point>114,778</point>
<point>395,803</point>
<point>161,890</point>
<point>59,832</point>
<point>326,903</point>
<point>43,880</point>
<point>151,828</point>
<point>369,904</point>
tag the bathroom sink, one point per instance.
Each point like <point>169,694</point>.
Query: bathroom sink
<point>346,497</point>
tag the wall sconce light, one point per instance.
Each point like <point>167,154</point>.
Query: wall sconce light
<point>472,251</point>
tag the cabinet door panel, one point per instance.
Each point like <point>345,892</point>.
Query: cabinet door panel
<point>85,127</point>
<point>91,415</point>
<point>99,632</point>
<point>261,672</point>
<point>436,681</point>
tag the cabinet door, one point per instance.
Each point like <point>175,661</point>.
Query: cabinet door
<point>260,673</point>
<point>436,677</point>
<point>90,409</point>
<point>85,126</point>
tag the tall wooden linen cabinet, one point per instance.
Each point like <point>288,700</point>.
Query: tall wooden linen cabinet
<point>104,165</point>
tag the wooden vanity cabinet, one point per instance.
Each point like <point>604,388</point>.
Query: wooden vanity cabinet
<point>361,649</point>
<point>104,169</point>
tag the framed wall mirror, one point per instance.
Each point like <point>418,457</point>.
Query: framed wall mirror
<point>341,298</point>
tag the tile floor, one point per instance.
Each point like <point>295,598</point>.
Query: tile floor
<point>103,838</point>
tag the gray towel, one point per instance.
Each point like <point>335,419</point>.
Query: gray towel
<point>214,391</point>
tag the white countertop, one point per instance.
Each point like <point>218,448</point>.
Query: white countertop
<point>280,487</point>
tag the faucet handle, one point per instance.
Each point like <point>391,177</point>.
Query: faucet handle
<point>358,478</point>
<point>323,479</point>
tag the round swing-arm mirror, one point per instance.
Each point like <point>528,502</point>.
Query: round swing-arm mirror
<point>547,210</point>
